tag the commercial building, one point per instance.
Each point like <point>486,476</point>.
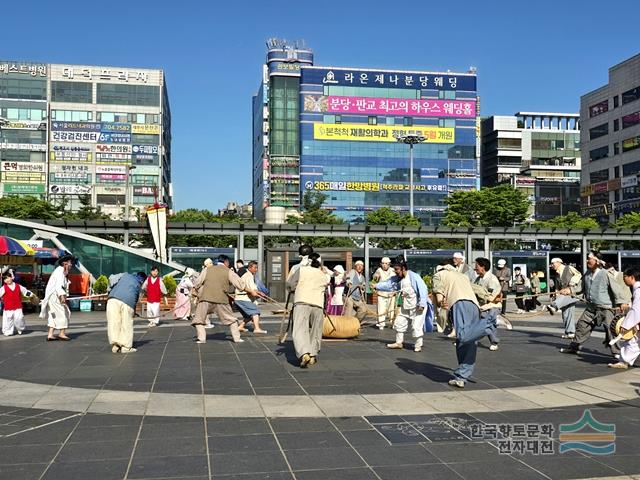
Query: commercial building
<point>610,118</point>
<point>79,133</point>
<point>537,152</point>
<point>335,130</point>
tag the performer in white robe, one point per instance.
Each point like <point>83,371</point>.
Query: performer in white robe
<point>630,350</point>
<point>54,304</point>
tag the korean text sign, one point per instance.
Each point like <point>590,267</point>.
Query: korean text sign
<point>380,133</point>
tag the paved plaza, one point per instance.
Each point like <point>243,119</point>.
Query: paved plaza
<point>175,409</point>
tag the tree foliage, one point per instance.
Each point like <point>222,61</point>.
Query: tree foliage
<point>570,220</point>
<point>629,220</point>
<point>86,211</point>
<point>387,216</point>
<point>499,206</point>
<point>28,207</point>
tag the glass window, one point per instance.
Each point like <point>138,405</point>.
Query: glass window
<point>73,92</point>
<point>407,121</point>
<point>616,125</point>
<point>630,120</point>
<point>117,94</point>
<point>599,153</point>
<point>599,176</point>
<point>616,148</point>
<point>599,131</point>
<point>510,143</point>
<point>373,120</point>
<point>23,88</point>
<point>616,101</point>
<point>630,95</point>
<point>631,143</point>
<point>391,120</point>
<point>71,115</point>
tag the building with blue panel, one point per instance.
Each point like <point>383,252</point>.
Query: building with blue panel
<point>348,124</point>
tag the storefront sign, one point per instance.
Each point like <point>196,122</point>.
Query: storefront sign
<point>118,127</point>
<point>111,148</point>
<point>597,210</point>
<point>115,137</point>
<point>23,125</point>
<point>74,137</point>
<point>22,188</point>
<point>69,189</point>
<point>145,129</point>
<point>33,147</point>
<point>119,169</point>
<point>392,106</point>
<point>630,181</point>
<point>145,170</point>
<point>78,176</point>
<point>375,78</point>
<point>371,187</point>
<point>632,205</point>
<point>148,149</point>
<point>69,168</point>
<point>113,157</point>
<point>110,190</point>
<point>70,156</point>
<point>76,126</point>
<point>144,191</point>
<point>23,177</point>
<point>380,133</point>
<point>22,167</point>
<point>25,68</point>
<point>110,177</point>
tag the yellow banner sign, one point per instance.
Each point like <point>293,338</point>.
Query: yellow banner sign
<point>380,133</point>
<point>145,129</point>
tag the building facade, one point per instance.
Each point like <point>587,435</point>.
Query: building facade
<point>538,153</point>
<point>335,130</point>
<point>79,134</point>
<point>610,116</point>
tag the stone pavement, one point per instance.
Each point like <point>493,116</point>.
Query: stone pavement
<point>176,409</point>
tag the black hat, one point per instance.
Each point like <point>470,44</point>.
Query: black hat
<point>305,250</point>
<point>67,258</point>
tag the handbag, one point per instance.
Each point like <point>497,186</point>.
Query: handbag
<point>521,288</point>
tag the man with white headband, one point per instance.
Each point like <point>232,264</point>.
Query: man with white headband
<point>355,303</point>
<point>382,274</point>
<point>461,266</point>
<point>568,285</point>
<point>605,297</point>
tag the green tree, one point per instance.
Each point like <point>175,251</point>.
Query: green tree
<point>499,206</point>
<point>629,220</point>
<point>314,214</point>
<point>387,216</point>
<point>570,220</point>
<point>195,215</point>
<point>101,285</point>
<point>86,211</point>
<point>28,207</point>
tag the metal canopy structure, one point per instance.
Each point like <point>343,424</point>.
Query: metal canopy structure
<point>364,232</point>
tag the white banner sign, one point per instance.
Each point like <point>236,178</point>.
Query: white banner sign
<point>80,137</point>
<point>69,189</point>
<point>34,147</point>
<point>34,243</point>
<point>630,181</point>
<point>119,169</point>
<point>23,167</point>
<point>111,148</point>
<point>70,176</point>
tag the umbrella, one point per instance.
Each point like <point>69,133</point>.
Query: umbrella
<point>49,256</point>
<point>11,246</point>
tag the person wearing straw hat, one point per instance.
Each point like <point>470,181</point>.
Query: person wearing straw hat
<point>385,299</point>
<point>309,283</point>
<point>630,349</point>
<point>604,298</point>
<point>569,285</point>
<point>54,304</point>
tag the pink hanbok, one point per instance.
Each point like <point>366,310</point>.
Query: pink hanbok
<point>182,310</point>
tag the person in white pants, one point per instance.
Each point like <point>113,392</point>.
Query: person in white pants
<point>12,316</point>
<point>385,299</point>
<point>630,350</point>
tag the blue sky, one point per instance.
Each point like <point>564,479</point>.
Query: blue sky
<point>538,57</point>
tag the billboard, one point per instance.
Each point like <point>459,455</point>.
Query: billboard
<point>23,167</point>
<point>145,129</point>
<point>380,133</point>
<point>353,77</point>
<point>391,106</point>
<point>118,169</point>
<point>69,189</point>
<point>372,186</point>
<point>74,136</point>
<point>23,188</point>
<point>76,126</point>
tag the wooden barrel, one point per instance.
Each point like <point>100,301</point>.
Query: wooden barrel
<point>336,326</point>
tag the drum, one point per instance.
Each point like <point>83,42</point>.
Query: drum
<point>336,326</point>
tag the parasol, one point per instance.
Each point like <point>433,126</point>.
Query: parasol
<point>11,246</point>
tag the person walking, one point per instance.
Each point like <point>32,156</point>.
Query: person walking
<point>453,292</point>
<point>568,285</point>
<point>520,287</point>
<point>356,284</point>
<point>534,302</point>
<point>415,304</point>
<point>11,294</point>
<point>604,298</point>
<point>154,286</point>
<point>309,283</point>
<point>630,349</point>
<point>121,304</point>
<point>246,299</point>
<point>182,310</point>
<point>214,285</point>
<point>503,273</point>
<point>385,299</point>
<point>492,302</point>
<point>54,304</point>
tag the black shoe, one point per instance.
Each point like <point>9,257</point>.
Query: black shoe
<point>570,350</point>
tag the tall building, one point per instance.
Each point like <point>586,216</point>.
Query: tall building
<point>610,119</point>
<point>538,153</point>
<point>335,130</point>
<point>78,133</point>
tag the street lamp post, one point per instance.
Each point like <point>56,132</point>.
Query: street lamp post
<point>411,140</point>
<point>127,201</point>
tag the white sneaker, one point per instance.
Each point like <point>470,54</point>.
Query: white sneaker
<point>381,326</point>
<point>569,335</point>
<point>417,348</point>
<point>115,349</point>
<point>151,324</point>
<point>520,311</point>
<point>493,347</point>
<point>503,322</point>
<point>394,346</point>
<point>19,332</point>
<point>128,350</point>
<point>455,382</point>
<point>209,325</point>
<point>239,341</point>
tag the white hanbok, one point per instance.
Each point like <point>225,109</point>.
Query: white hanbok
<point>630,350</point>
<point>56,312</point>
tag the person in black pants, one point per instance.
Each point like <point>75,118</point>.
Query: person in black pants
<point>520,288</point>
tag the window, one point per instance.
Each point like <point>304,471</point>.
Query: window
<point>116,94</point>
<point>616,101</point>
<point>631,143</point>
<point>391,121</point>
<point>110,199</point>
<point>599,153</point>
<point>598,108</point>
<point>599,131</point>
<point>599,176</point>
<point>616,125</point>
<point>71,115</point>
<point>631,168</point>
<point>407,121</point>
<point>23,88</point>
<point>338,119</point>
<point>73,92</point>
<point>616,148</point>
<point>630,95</point>
<point>35,114</point>
<point>630,120</point>
<point>373,120</point>
<point>510,143</point>
<point>616,171</point>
